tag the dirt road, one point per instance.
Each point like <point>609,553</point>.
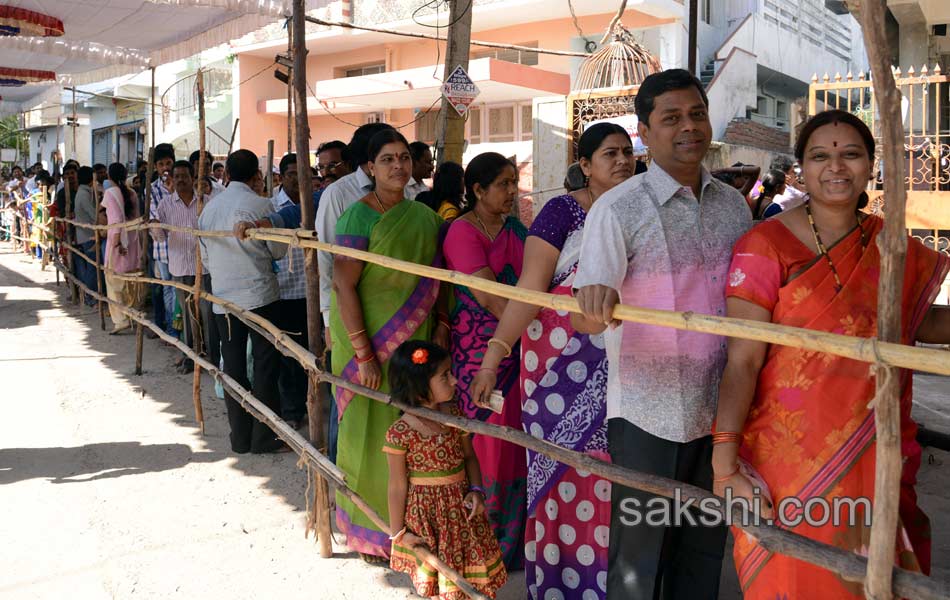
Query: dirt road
<point>108,490</point>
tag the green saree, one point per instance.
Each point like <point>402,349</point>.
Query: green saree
<point>396,307</point>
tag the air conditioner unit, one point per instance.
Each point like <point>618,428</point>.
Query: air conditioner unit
<point>376,117</point>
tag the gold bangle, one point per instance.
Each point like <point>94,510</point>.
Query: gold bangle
<point>356,333</point>
<point>726,437</point>
<point>501,343</point>
<point>727,477</point>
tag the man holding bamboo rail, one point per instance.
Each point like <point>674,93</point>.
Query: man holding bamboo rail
<point>243,273</point>
<point>662,240</point>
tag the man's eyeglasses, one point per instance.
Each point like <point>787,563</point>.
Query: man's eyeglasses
<point>329,166</point>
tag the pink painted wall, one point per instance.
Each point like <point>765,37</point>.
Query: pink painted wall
<point>256,128</point>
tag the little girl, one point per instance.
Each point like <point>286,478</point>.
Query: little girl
<point>435,493</point>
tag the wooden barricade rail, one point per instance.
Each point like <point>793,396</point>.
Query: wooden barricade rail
<point>848,565</point>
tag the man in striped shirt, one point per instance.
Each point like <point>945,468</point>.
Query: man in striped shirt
<point>662,240</point>
<point>163,297</point>
<point>181,209</point>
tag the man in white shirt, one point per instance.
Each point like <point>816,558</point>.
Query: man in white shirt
<point>30,184</point>
<point>422,167</point>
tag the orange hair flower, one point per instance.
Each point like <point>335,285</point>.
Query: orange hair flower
<point>420,356</point>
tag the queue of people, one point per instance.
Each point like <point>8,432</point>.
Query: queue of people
<point>757,421</point>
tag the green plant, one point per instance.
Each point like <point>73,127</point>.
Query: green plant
<point>10,133</point>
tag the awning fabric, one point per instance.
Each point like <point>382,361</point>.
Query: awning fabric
<point>110,38</point>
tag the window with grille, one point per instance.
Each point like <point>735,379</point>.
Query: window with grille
<point>526,121</point>
<point>520,57</point>
<point>373,69</point>
<point>781,109</point>
<point>501,124</point>
<point>474,123</point>
<point>426,126</point>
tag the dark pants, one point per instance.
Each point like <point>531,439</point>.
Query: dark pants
<point>293,379</point>
<point>649,562</point>
<point>247,433</point>
<point>210,340</point>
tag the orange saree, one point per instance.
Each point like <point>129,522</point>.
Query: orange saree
<point>810,433</point>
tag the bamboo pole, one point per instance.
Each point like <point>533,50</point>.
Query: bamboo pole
<point>233,134</point>
<point>75,125</point>
<point>143,262</point>
<point>868,350</point>
<point>44,206</point>
<point>130,225</point>
<point>195,322</point>
<point>99,261</point>
<point>864,349</point>
<point>316,393</point>
<point>893,247</point>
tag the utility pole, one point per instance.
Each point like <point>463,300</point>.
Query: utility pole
<point>316,393</point>
<point>693,36</point>
<point>290,94</point>
<point>451,126</point>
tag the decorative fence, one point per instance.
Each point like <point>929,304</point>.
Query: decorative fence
<point>848,565</point>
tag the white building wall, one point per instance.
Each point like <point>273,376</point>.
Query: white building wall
<point>43,142</point>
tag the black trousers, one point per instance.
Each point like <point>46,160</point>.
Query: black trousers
<point>247,433</point>
<point>293,378</point>
<point>649,561</point>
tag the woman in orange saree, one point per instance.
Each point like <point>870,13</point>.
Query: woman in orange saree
<point>802,418</point>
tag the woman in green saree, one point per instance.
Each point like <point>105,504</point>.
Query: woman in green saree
<point>374,310</point>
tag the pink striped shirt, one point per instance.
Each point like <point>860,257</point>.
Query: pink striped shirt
<point>172,210</point>
<point>649,239</point>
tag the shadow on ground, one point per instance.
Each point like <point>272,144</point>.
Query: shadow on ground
<point>76,465</point>
<point>14,312</point>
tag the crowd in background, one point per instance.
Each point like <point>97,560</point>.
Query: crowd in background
<point>791,246</point>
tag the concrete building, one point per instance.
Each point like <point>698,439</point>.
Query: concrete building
<point>756,57</point>
<point>920,29</point>
<point>759,56</point>
<point>358,77</point>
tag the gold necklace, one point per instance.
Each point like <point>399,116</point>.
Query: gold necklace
<point>822,251</point>
<point>590,196</point>
<point>379,202</point>
<point>485,229</point>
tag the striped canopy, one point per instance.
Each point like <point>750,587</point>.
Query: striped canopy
<point>15,21</point>
<point>10,77</point>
